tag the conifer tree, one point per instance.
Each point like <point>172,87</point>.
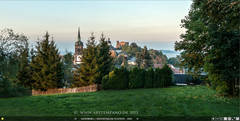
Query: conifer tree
<point>46,66</point>
<point>24,72</point>
<point>88,71</point>
<point>104,59</point>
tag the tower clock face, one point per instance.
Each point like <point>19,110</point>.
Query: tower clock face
<point>79,57</point>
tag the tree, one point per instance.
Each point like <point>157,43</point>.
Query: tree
<point>212,41</point>
<point>136,78</point>
<point>132,49</point>
<point>193,42</point>
<point>67,68</point>
<point>173,61</point>
<point>167,75</point>
<point>104,59</point>
<point>46,65</point>
<point>116,79</point>
<point>11,46</point>
<point>149,78</point>
<point>124,62</point>
<point>88,72</point>
<point>146,59</point>
<point>24,72</point>
<point>138,59</point>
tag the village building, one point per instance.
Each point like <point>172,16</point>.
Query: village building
<point>78,50</point>
<point>120,44</point>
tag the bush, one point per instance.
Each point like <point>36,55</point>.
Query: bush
<point>167,76</point>
<point>149,78</point>
<point>136,78</point>
<point>158,78</point>
<point>9,89</point>
<point>105,82</point>
<point>163,77</point>
<point>117,79</point>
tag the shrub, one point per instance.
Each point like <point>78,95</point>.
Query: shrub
<point>167,76</point>
<point>158,81</point>
<point>136,78</point>
<point>117,79</point>
<point>9,89</point>
<point>149,78</point>
<point>105,82</point>
<point>163,77</point>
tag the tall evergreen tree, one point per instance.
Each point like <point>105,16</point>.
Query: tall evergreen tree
<point>46,66</point>
<point>104,59</point>
<point>68,65</point>
<point>88,72</point>
<point>24,72</point>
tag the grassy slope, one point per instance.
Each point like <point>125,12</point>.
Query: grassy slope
<point>174,101</point>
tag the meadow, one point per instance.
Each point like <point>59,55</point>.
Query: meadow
<point>173,101</point>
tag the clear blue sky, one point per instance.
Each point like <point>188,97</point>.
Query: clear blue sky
<point>154,23</point>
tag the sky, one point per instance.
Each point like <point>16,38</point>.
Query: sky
<point>154,23</point>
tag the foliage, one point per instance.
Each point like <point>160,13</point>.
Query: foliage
<point>136,78</point>
<point>9,89</point>
<point>117,79</point>
<point>144,59</point>
<point>149,78</point>
<point>104,59</point>
<point>158,78</point>
<point>167,75</point>
<point>212,42</point>
<point>163,77</point>
<point>88,72</point>
<point>46,66</point>
<point>24,72</point>
<point>132,49</point>
<point>11,46</point>
<point>124,62</point>
<point>174,61</point>
<point>158,57</point>
<point>119,60</point>
<point>67,68</point>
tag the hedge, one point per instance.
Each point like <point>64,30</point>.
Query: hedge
<point>138,78</point>
<point>10,89</point>
<point>117,79</point>
<point>149,78</point>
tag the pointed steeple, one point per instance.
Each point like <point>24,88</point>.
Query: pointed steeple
<point>79,36</point>
<point>79,42</point>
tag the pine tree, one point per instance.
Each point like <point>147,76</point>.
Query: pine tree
<point>68,65</point>
<point>88,71</point>
<point>104,59</point>
<point>46,66</point>
<point>24,72</point>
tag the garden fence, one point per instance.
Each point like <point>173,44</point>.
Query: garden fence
<point>90,88</point>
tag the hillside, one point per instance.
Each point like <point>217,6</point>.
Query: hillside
<point>173,101</point>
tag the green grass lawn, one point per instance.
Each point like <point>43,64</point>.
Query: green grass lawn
<point>173,101</point>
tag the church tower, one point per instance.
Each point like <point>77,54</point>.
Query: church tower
<point>78,49</point>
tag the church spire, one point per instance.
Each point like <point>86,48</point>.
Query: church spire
<point>79,36</point>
